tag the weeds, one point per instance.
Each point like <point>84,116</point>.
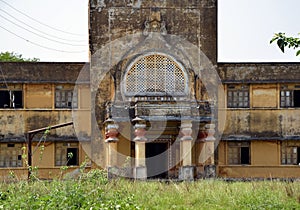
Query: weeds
<point>92,190</point>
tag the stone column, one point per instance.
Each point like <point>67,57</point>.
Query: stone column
<point>210,168</point>
<point>140,170</point>
<point>201,154</point>
<point>186,171</point>
<point>111,133</point>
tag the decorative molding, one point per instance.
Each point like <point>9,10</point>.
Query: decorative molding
<point>155,24</point>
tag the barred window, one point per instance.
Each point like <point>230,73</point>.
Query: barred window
<point>65,98</point>
<point>238,153</point>
<point>155,75</point>
<point>11,96</point>
<point>238,96</point>
<point>11,155</point>
<point>290,96</point>
<point>66,154</point>
<point>290,153</point>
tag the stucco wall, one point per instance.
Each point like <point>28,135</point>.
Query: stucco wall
<point>193,20</point>
<point>265,162</point>
<point>261,123</point>
<point>265,153</point>
<point>259,72</point>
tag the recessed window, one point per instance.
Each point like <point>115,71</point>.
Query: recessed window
<point>156,75</point>
<point>11,155</point>
<point>11,99</point>
<point>238,96</point>
<point>66,154</point>
<point>238,153</point>
<point>290,153</point>
<point>290,96</point>
<point>65,98</point>
<point>10,145</point>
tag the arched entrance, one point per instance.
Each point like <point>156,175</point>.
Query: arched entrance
<point>155,82</point>
<point>164,114</point>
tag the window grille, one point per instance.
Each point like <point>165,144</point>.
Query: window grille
<point>65,98</point>
<point>290,96</point>
<point>11,155</point>
<point>290,153</point>
<point>11,99</point>
<point>155,75</point>
<point>238,96</point>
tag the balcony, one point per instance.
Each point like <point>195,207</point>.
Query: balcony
<point>160,108</point>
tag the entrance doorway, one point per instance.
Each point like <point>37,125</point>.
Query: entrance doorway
<point>157,160</point>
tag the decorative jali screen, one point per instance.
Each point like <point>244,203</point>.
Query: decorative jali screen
<point>155,75</point>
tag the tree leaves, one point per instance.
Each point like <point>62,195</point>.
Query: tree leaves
<point>14,57</point>
<point>281,44</point>
<point>283,41</point>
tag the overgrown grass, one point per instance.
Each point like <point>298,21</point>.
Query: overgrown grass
<point>94,191</point>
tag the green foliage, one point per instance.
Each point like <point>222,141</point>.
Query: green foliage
<point>283,41</point>
<point>89,193</point>
<point>94,191</point>
<point>14,57</point>
<point>70,155</point>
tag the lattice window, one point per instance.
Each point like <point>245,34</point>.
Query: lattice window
<point>155,75</point>
<point>65,98</point>
<point>290,96</point>
<point>290,152</point>
<point>238,153</point>
<point>11,155</point>
<point>238,96</point>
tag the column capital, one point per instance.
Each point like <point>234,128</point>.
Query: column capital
<point>210,130</point>
<point>139,129</point>
<point>111,131</point>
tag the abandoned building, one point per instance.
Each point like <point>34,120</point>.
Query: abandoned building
<point>154,102</point>
<point>35,96</point>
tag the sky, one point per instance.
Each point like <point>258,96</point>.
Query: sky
<point>51,30</point>
<point>57,30</point>
<point>245,28</point>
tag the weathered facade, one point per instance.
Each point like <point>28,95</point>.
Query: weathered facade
<point>261,137</point>
<point>133,41</point>
<point>39,95</point>
<point>147,89</point>
<point>154,102</point>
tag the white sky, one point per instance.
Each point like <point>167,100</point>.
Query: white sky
<point>245,28</point>
<point>70,16</point>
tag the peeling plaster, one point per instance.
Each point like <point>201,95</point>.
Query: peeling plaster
<point>135,4</point>
<point>99,5</point>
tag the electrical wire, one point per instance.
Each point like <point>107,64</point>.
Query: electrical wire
<point>11,16</point>
<point>39,45</point>
<point>40,21</point>
<point>40,34</point>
